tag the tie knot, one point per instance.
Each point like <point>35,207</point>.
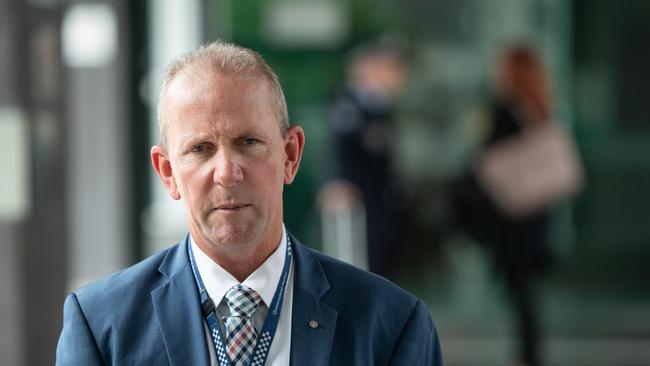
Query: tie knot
<point>242,301</point>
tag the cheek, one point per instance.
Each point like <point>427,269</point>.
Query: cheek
<point>275,171</point>
<point>270,178</point>
<point>192,180</point>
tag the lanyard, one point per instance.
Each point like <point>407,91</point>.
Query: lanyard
<point>265,338</point>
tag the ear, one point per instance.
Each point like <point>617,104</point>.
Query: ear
<point>163,168</point>
<point>294,143</point>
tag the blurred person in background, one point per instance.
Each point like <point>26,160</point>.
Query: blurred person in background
<point>518,243</point>
<point>521,246</point>
<point>239,289</point>
<point>361,125</point>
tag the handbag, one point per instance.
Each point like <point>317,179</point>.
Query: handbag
<point>531,171</point>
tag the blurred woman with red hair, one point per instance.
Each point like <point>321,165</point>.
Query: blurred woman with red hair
<point>520,246</point>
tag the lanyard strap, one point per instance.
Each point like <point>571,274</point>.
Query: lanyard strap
<point>265,337</point>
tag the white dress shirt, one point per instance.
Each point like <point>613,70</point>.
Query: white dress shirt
<point>264,281</point>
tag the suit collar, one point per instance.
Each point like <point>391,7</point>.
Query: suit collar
<point>312,278</point>
<point>176,259</point>
<point>313,321</point>
<point>177,307</point>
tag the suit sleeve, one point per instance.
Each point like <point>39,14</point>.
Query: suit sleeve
<point>418,344</point>
<point>76,345</point>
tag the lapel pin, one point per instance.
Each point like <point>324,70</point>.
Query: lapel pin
<point>313,324</point>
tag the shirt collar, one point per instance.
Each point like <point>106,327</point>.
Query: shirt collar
<point>263,280</point>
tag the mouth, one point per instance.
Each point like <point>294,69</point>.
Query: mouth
<point>231,207</point>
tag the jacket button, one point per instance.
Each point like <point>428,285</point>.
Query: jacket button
<point>313,324</point>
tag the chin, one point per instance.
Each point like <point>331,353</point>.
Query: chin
<point>228,236</point>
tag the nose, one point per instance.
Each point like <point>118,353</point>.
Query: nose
<point>227,169</point>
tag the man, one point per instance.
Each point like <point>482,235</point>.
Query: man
<point>239,289</point>
<point>361,123</point>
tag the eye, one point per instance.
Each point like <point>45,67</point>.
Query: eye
<point>199,148</point>
<point>249,141</point>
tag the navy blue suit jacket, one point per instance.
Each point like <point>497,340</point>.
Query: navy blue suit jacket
<point>149,314</point>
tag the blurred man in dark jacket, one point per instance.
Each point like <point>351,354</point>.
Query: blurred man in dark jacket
<point>361,129</point>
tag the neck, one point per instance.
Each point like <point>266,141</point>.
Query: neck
<point>241,270</point>
<point>243,260</point>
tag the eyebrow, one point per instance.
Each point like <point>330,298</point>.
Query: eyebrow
<point>191,138</point>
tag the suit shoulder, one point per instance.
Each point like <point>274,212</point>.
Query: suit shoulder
<point>396,327</point>
<point>361,284</point>
<point>139,278</point>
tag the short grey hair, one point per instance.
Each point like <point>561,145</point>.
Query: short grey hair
<point>227,59</point>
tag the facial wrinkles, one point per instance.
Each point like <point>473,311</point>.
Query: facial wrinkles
<point>224,166</point>
<point>243,217</point>
<point>208,90</point>
<point>223,126</point>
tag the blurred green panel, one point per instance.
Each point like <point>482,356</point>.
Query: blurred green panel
<point>612,246</point>
<point>245,21</point>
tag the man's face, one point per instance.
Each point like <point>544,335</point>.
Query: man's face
<point>227,160</point>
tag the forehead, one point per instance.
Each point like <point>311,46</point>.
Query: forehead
<point>195,85</point>
<point>200,92</point>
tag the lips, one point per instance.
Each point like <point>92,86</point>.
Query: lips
<point>231,206</point>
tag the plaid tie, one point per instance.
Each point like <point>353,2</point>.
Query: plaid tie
<point>240,333</point>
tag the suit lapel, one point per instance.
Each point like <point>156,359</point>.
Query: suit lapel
<point>313,321</point>
<point>176,304</point>
<point>177,307</point>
